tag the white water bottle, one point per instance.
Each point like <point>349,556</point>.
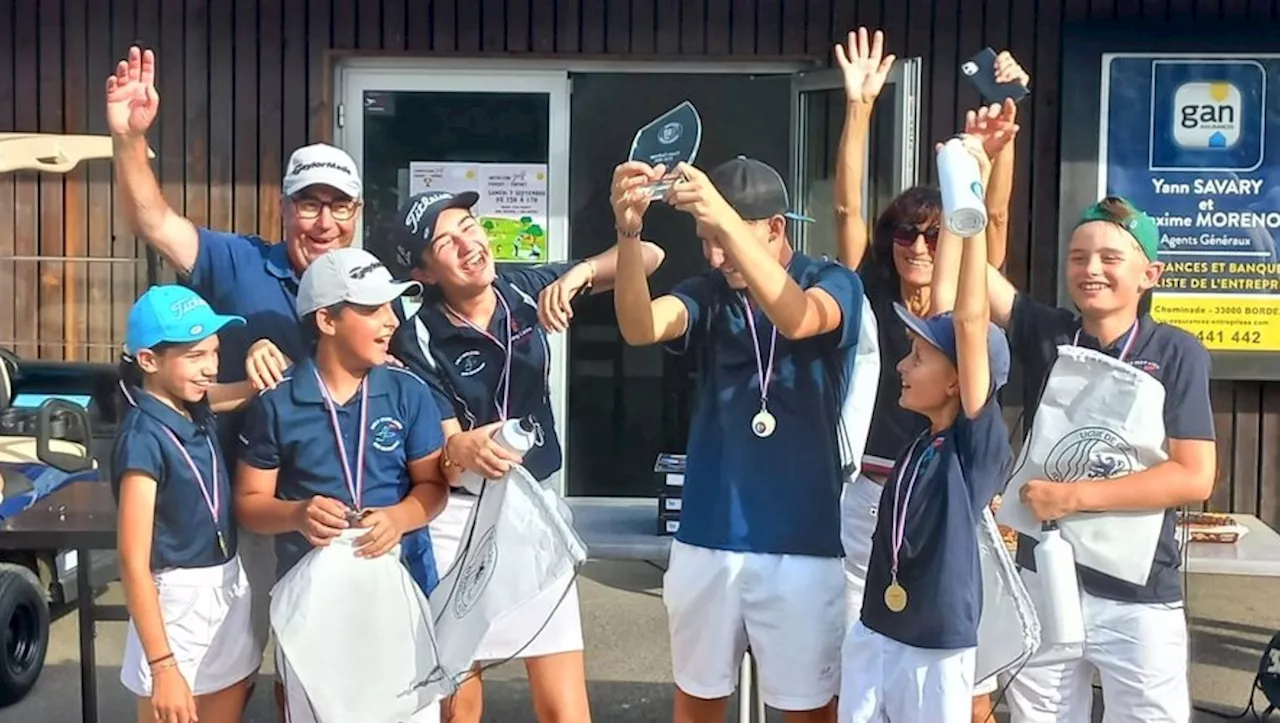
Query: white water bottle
<point>515,435</point>
<point>964,204</point>
<point>1061,616</point>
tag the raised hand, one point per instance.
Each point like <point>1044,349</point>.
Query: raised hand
<point>994,125</point>
<point>132,100</point>
<point>629,194</point>
<point>864,65</point>
<point>1008,69</point>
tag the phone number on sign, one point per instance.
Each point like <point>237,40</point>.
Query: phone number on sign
<point>1227,326</point>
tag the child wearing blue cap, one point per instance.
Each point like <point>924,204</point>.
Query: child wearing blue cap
<point>189,651</point>
<point>911,657</point>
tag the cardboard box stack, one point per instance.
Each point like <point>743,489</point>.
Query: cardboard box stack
<point>669,469</point>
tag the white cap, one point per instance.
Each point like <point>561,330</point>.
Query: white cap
<point>352,276</point>
<point>321,164</point>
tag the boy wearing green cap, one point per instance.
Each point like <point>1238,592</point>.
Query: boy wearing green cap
<point>1135,635</point>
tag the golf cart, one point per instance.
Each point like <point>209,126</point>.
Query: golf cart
<point>57,420</point>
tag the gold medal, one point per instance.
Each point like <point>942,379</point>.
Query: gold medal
<point>895,598</point>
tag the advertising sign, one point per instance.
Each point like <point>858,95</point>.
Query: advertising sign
<point>1195,142</point>
<point>512,206</point>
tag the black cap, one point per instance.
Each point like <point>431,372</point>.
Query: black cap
<point>415,222</point>
<point>754,189</point>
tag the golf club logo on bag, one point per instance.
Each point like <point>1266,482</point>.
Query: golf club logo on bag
<point>476,575</point>
<point>1089,453</point>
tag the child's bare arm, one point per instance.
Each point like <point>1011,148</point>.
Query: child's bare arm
<point>972,315</point>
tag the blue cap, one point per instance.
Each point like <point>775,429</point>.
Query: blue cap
<point>940,331</point>
<point>173,314</point>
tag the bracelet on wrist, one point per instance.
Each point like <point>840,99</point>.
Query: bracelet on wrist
<point>627,233</point>
<point>160,659</point>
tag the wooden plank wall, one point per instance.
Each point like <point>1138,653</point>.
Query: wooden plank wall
<point>244,81</point>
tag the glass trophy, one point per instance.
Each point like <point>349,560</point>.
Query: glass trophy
<point>669,139</point>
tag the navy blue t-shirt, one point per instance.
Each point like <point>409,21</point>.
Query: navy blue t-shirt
<point>184,535</point>
<point>960,470</point>
<point>779,494</point>
<point>1179,362</point>
<point>465,369</point>
<point>288,428</point>
<point>248,277</point>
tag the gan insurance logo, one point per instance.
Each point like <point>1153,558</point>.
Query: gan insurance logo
<point>1207,115</point>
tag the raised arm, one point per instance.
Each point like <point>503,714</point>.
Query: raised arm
<point>641,319</point>
<point>972,316</point>
<point>1000,189</point>
<point>865,67</point>
<point>797,313</point>
<point>132,104</point>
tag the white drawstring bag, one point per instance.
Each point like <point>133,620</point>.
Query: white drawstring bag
<point>515,545</point>
<point>357,635</point>
<point>860,398</point>
<point>1009,629</point>
<point>1098,418</point>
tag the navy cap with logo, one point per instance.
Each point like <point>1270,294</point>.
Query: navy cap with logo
<point>754,189</point>
<point>939,330</point>
<point>415,224</point>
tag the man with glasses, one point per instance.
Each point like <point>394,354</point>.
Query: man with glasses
<point>237,274</point>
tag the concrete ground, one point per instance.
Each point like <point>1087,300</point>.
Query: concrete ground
<point>629,668</point>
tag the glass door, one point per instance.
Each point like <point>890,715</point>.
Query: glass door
<point>890,163</point>
<point>503,134</point>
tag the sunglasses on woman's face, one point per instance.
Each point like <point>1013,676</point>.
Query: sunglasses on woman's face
<point>906,236</point>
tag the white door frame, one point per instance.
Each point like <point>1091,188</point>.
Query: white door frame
<point>349,134</point>
<point>905,75</point>
<point>353,76</point>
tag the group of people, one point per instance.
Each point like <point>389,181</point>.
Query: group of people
<point>349,404</point>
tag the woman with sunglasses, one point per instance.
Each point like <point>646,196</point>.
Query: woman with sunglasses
<point>899,270</point>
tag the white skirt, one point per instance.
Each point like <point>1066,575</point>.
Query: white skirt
<point>548,624</point>
<point>207,620</point>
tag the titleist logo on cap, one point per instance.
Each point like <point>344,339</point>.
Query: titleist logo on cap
<point>414,217</point>
<point>310,165</point>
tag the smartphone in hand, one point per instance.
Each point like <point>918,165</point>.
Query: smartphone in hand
<point>980,70</point>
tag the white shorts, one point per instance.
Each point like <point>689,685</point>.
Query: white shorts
<point>298,707</point>
<point>885,680</point>
<point>548,624</point>
<point>206,620</point>
<point>788,608</point>
<point>859,503</point>
<point>1140,653</point>
<point>258,557</point>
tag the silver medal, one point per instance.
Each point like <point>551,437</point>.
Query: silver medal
<point>763,423</point>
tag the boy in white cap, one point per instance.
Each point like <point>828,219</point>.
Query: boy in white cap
<point>344,440</point>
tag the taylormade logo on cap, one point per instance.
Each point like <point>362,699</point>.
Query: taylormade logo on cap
<point>349,276</point>
<point>321,164</point>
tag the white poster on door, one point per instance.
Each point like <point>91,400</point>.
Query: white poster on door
<point>512,206</point>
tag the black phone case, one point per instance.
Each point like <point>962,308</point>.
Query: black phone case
<point>980,70</point>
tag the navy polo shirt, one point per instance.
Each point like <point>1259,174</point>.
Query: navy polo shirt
<point>892,427</point>
<point>184,534</point>
<point>1169,354</point>
<point>248,277</point>
<point>288,428</point>
<point>779,494</point>
<point>465,368</point>
<point>960,470</point>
